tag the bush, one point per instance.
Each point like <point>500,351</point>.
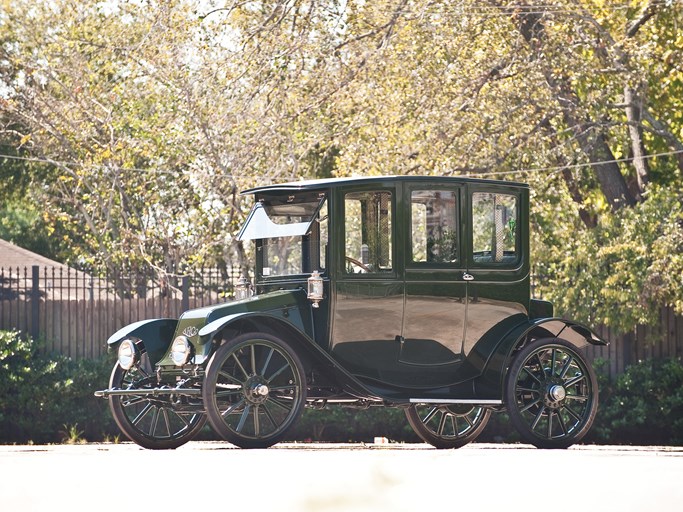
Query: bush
<point>643,406</point>
<point>46,399</point>
<point>345,424</point>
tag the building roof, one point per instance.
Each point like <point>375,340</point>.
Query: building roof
<point>56,280</point>
<point>13,256</point>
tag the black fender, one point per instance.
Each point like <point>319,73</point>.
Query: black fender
<point>156,335</point>
<point>491,384</point>
<point>310,352</point>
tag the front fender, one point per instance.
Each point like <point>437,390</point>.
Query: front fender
<point>156,335</point>
<point>209,330</point>
<point>492,381</point>
<point>243,320</point>
<point>290,331</point>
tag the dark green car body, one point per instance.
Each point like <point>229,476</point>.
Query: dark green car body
<point>426,297</point>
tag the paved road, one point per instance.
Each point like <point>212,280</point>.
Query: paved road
<point>335,478</point>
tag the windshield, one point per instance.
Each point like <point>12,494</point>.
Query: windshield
<point>273,219</point>
<point>290,234</point>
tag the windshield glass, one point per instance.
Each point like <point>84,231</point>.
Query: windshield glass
<point>290,234</point>
<point>273,219</point>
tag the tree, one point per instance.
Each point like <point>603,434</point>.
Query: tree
<point>151,118</point>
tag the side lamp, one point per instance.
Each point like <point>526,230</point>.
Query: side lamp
<point>315,288</point>
<point>242,288</point>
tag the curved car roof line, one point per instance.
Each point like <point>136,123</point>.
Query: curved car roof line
<point>336,182</point>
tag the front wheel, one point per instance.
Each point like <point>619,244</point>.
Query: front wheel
<point>447,426</point>
<point>156,422</point>
<point>551,394</point>
<point>254,390</point>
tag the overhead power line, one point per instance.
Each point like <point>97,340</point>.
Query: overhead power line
<point>531,170</point>
<point>574,166</point>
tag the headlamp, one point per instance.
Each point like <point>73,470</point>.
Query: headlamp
<point>127,354</point>
<point>181,350</point>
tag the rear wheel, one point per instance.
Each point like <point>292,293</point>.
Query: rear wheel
<point>156,422</point>
<point>447,426</point>
<point>254,390</point>
<point>551,394</point>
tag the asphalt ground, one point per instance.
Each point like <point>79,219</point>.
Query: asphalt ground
<point>340,477</point>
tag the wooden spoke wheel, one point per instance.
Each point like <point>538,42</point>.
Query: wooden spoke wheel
<point>254,390</point>
<point>551,394</point>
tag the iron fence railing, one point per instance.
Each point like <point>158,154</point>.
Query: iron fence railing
<point>74,312</point>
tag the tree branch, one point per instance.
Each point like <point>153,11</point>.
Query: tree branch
<point>648,12</point>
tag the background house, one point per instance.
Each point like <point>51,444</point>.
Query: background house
<point>57,280</point>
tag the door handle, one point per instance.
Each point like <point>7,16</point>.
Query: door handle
<point>467,277</point>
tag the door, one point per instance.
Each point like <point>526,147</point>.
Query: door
<point>369,292</point>
<point>497,264</point>
<point>435,291</point>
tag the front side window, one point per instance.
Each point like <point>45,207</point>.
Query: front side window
<point>494,228</point>
<point>434,226</point>
<point>367,232</point>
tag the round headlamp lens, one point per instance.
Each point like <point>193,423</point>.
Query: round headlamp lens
<point>181,350</point>
<point>127,354</point>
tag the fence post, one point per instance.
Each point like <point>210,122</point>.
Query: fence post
<point>185,302</point>
<point>35,302</point>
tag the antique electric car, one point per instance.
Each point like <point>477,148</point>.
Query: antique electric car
<point>410,292</point>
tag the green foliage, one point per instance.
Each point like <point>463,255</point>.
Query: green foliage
<point>23,224</point>
<point>72,435</point>
<point>50,400</point>
<point>621,272</point>
<point>149,117</point>
<point>643,406</point>
<point>341,424</point>
<point>43,399</point>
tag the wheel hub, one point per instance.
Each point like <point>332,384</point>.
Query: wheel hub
<point>256,390</point>
<point>555,395</point>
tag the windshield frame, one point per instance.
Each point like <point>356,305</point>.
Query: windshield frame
<point>259,225</point>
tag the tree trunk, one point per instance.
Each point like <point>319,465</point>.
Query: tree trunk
<point>634,107</point>
<point>663,131</point>
<point>588,134</point>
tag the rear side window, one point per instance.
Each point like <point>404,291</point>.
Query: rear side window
<point>434,226</point>
<point>494,228</point>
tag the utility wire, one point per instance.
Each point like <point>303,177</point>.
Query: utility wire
<point>492,173</point>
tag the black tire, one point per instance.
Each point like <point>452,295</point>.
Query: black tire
<point>162,422</point>
<point>551,394</point>
<point>447,426</point>
<point>254,390</point>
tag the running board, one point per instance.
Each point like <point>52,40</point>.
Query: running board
<point>454,401</point>
<point>148,391</point>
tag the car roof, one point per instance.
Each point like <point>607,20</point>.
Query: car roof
<point>338,182</point>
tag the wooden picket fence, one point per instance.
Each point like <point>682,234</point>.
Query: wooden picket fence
<point>644,343</point>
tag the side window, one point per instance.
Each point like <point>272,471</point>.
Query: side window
<point>324,234</point>
<point>368,232</point>
<point>494,228</point>
<point>434,226</point>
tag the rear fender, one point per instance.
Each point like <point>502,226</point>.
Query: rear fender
<point>156,335</point>
<point>492,382</point>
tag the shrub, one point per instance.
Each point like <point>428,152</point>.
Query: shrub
<point>643,406</point>
<point>46,399</point>
<point>42,397</point>
<point>344,424</point>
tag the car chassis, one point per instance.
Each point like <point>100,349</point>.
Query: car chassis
<point>410,292</point>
